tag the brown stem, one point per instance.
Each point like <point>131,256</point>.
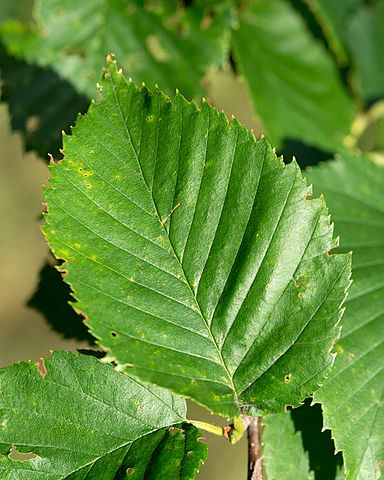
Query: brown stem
<point>255,458</point>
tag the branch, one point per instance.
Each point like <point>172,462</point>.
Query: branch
<point>255,458</point>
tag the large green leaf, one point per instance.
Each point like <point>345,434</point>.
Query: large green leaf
<point>78,418</point>
<point>293,82</point>
<point>194,253</point>
<point>283,453</point>
<point>156,41</point>
<point>352,397</point>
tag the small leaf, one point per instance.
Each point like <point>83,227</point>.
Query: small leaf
<point>283,453</point>
<point>193,251</point>
<point>352,397</point>
<point>83,419</point>
<point>293,82</point>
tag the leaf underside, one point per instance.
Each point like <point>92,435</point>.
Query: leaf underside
<point>194,253</point>
<point>292,80</point>
<point>156,41</point>
<point>283,453</point>
<point>352,397</point>
<point>78,418</point>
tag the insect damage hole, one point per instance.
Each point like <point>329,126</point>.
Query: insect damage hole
<point>17,456</point>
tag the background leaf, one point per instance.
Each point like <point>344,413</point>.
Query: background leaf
<point>352,397</point>
<point>51,299</point>
<point>333,16</point>
<point>40,103</point>
<point>283,453</point>
<point>365,37</point>
<point>293,82</point>
<point>79,418</point>
<point>157,42</point>
<point>194,252</point>
<point>308,420</point>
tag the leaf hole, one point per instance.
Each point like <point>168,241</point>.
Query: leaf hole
<point>113,334</point>
<point>17,456</point>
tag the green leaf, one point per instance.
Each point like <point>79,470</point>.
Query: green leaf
<point>156,41</point>
<point>293,82</point>
<point>283,453</point>
<point>352,397</point>
<point>78,418</point>
<point>364,36</point>
<point>194,252</point>
<point>41,104</point>
<point>333,16</point>
<point>20,10</point>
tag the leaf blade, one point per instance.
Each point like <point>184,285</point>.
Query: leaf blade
<point>84,419</point>
<point>175,186</point>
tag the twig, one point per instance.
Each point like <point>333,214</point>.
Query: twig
<point>255,458</point>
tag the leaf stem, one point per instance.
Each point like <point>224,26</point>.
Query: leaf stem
<point>208,427</point>
<point>255,458</point>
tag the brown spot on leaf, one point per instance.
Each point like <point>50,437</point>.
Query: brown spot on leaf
<point>41,368</point>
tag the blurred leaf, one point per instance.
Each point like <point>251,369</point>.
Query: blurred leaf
<point>352,397</point>
<point>72,417</point>
<point>51,299</point>
<point>16,10</point>
<point>194,251</point>
<point>283,453</point>
<point>294,84</point>
<point>308,419</point>
<point>40,104</point>
<point>365,39</point>
<point>156,41</point>
<point>332,16</point>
